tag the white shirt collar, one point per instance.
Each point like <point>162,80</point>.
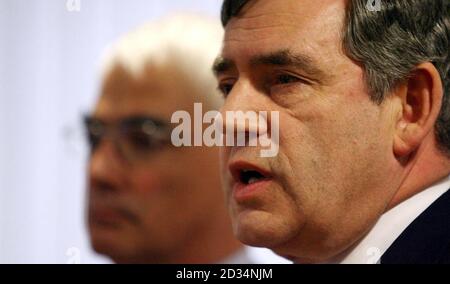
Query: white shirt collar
<point>391,224</point>
<point>253,255</point>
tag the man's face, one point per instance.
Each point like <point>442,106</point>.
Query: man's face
<point>148,211</point>
<point>333,176</point>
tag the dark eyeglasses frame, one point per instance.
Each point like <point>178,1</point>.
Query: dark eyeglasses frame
<point>154,132</point>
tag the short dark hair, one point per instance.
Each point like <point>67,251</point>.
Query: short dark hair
<point>390,42</point>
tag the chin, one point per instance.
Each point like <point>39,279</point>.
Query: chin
<point>116,251</point>
<point>259,229</point>
<point>107,241</point>
<point>309,251</point>
<point>104,244</point>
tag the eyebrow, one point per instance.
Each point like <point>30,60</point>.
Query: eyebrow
<point>135,119</point>
<point>222,65</point>
<point>282,58</point>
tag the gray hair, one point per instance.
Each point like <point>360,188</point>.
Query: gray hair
<point>391,42</point>
<point>186,42</point>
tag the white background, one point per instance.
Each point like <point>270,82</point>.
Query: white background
<point>48,78</point>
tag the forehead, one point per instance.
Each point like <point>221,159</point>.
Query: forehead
<point>157,91</point>
<point>269,25</point>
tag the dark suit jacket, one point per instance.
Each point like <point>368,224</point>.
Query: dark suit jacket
<point>427,239</point>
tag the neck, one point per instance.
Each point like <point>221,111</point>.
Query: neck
<point>210,245</point>
<point>424,168</point>
<point>211,242</point>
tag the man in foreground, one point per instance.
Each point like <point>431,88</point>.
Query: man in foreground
<point>362,173</point>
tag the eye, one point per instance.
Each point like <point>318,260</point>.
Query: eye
<point>225,88</point>
<point>282,79</point>
<point>283,82</point>
<point>94,132</point>
<point>140,141</point>
<point>93,140</point>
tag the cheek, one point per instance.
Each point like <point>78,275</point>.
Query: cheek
<point>323,146</point>
<point>159,199</point>
<point>162,183</point>
<point>224,153</point>
<point>147,181</point>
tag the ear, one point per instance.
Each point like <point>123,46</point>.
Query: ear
<point>421,100</point>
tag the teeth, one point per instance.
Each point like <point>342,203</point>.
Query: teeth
<point>253,180</point>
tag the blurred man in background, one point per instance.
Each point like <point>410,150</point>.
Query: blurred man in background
<point>150,202</point>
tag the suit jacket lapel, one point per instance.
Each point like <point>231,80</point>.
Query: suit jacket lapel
<point>426,239</point>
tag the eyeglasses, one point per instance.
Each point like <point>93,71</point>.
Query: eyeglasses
<point>135,138</point>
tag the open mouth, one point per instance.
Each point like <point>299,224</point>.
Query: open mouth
<point>249,180</point>
<point>248,174</point>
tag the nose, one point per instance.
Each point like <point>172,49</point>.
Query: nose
<point>244,114</point>
<point>105,168</point>
<point>243,97</point>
